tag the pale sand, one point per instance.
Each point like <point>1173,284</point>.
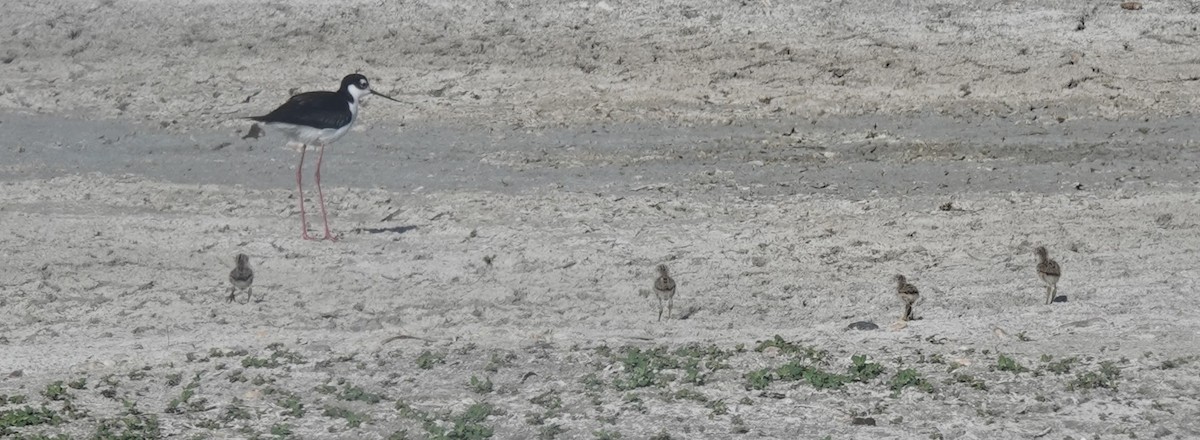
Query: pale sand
<point>786,160</point>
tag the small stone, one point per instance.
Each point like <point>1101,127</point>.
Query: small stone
<point>1131,6</point>
<point>863,421</point>
<point>862,325</point>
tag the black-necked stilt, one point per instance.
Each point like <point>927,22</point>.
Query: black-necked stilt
<point>319,118</point>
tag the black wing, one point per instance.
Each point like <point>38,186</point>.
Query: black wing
<point>313,109</point>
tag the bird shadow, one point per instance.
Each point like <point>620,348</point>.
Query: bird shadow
<point>395,229</point>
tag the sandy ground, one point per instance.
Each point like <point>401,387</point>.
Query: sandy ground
<point>784,159</point>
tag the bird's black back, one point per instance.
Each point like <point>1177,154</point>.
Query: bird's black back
<point>319,110</point>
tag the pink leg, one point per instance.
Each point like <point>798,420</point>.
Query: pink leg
<point>321,195</point>
<point>300,190</point>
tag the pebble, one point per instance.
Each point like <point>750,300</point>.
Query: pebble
<point>863,325</point>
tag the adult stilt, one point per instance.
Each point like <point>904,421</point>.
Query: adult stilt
<point>321,195</point>
<point>300,192</point>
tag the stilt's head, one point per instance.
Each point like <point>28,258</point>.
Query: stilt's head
<point>1041,253</point>
<point>358,87</point>
<point>900,280</point>
<point>662,271</point>
<point>242,261</point>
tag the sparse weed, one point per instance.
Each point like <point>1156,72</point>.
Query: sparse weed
<point>758,379</point>
<point>27,417</point>
<point>428,359</point>
<point>1005,363</point>
<point>909,377</point>
<point>592,382</point>
<point>498,361</point>
<point>718,407</point>
<point>281,430</point>
<point>1061,366</point>
<point>971,381</point>
<point>738,425</point>
<point>292,406</point>
<point>131,426</point>
<point>642,368</point>
<point>786,348</point>
<point>257,362</point>
<point>1177,362</point>
<point>466,426</point>
<point>236,410</point>
<point>78,384</point>
<point>483,386</point>
<point>862,371</point>
<point>550,432</point>
<point>352,418</point>
<point>1105,377</point>
<point>56,391</point>
<point>354,393</point>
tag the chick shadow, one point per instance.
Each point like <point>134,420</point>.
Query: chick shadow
<point>393,229</point>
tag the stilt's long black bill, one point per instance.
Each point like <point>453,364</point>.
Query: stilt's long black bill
<point>386,96</point>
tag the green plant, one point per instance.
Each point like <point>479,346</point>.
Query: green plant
<point>550,432</point>
<point>354,393</point>
<point>1061,366</point>
<point>235,411</point>
<point>1005,363</point>
<point>481,386</point>
<point>27,416</point>
<point>1105,377</point>
<point>428,359</point>
<point>1177,362</point>
<point>292,406</point>
<point>718,407</point>
<point>352,418</point>
<point>786,347</point>
<point>257,362</point>
<point>592,382</point>
<point>56,391</point>
<point>909,377</point>
<point>758,379</point>
<point>970,381</point>
<point>603,434</point>
<point>281,430</point>
<point>498,361</point>
<point>466,426</point>
<point>78,384</point>
<point>861,370</point>
<point>642,368</point>
<point>131,426</point>
<point>816,377</point>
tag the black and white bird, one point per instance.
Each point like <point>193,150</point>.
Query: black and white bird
<point>241,278</point>
<point>319,118</point>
